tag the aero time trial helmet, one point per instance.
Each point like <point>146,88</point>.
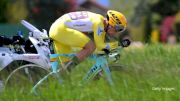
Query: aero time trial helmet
<point>117,20</point>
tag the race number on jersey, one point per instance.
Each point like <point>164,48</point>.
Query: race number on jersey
<point>78,15</point>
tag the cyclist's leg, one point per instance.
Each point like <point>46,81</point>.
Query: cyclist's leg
<point>78,39</point>
<point>60,48</point>
<point>72,38</point>
<point>56,33</point>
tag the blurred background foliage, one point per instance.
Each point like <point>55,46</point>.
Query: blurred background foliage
<point>147,19</point>
<point>16,11</point>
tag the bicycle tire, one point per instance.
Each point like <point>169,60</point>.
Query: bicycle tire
<point>25,74</point>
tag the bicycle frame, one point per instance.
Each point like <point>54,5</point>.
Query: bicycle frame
<point>100,65</point>
<point>43,57</point>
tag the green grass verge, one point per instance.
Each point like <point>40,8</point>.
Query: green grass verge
<point>150,73</point>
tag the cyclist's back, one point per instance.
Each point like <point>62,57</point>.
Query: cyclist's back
<point>82,20</point>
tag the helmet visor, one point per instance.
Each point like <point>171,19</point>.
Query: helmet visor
<point>119,28</point>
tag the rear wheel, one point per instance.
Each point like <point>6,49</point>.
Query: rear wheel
<point>24,77</point>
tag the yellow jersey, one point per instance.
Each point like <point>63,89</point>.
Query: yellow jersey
<point>85,21</point>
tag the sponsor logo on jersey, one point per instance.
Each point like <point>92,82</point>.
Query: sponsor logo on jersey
<point>79,25</point>
<point>100,30</point>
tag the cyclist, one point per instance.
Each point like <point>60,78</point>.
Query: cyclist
<point>75,28</point>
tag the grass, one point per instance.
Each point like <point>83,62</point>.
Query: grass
<point>151,73</point>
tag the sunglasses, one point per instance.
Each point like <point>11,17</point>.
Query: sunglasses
<point>119,28</point>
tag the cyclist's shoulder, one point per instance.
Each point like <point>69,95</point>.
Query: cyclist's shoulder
<point>95,15</point>
<point>96,18</point>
